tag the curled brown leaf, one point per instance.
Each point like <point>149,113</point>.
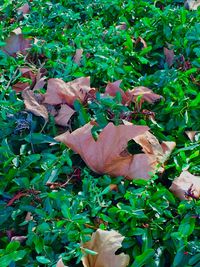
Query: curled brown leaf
<point>32,104</point>
<point>169,56</point>
<point>132,95</point>
<point>77,56</point>
<point>59,92</point>
<point>37,80</point>
<point>105,244</point>
<point>192,4</point>
<point>186,186</point>
<point>191,135</point>
<point>16,43</point>
<point>24,9</point>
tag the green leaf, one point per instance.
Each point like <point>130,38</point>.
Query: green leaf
<point>42,259</point>
<point>89,251</point>
<point>187,226</point>
<point>38,138</point>
<point>12,246</point>
<point>66,211</point>
<point>143,258</point>
<point>194,259</point>
<point>30,159</point>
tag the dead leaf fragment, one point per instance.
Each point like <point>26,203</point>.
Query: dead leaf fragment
<point>169,56</point>
<point>20,239</point>
<point>77,56</point>
<point>140,43</point>
<point>191,135</point>
<point>186,186</point>
<point>122,26</point>
<point>37,81</point>
<point>59,92</point>
<point>16,43</point>
<point>60,263</point>
<point>24,9</point>
<point>113,88</point>
<point>32,105</point>
<point>146,94</point>
<point>64,115</point>
<point>105,243</point>
<point>192,4</point>
<point>131,95</point>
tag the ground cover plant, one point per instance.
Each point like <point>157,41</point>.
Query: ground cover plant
<point>99,133</point>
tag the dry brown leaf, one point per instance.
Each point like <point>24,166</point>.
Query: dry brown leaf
<point>64,115</point>
<point>105,243</point>
<point>156,153</point>
<point>169,56</point>
<point>16,43</point>
<point>191,135</point>
<point>131,95</point>
<point>26,73</point>
<point>122,26</point>
<point>113,88</point>
<point>78,55</point>
<point>192,4</point>
<point>32,105</point>
<point>186,186</point>
<point>146,94</point>
<point>140,42</point>
<point>20,239</point>
<point>37,80</point>
<point>108,154</point>
<point>24,9</point>
<point>40,80</point>
<point>60,263</point>
<point>59,92</point>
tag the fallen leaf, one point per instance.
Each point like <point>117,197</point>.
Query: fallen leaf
<point>24,9</point>
<point>113,88</point>
<point>60,263</point>
<point>132,95</point>
<point>191,134</point>
<point>16,197</point>
<point>105,243</point>
<point>146,95</point>
<point>20,239</point>
<point>155,153</point>
<point>64,115</point>
<point>26,73</point>
<point>186,186</point>
<point>16,43</point>
<point>169,56</point>
<point>59,92</point>
<point>38,81</point>
<point>78,55</point>
<point>122,26</point>
<point>106,154</point>
<point>29,216</point>
<point>109,155</point>
<point>32,105</point>
<point>140,43</point>
<point>192,4</point>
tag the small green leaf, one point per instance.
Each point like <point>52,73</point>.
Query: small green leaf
<point>89,251</point>
<point>143,258</point>
<point>42,259</point>
<point>194,259</point>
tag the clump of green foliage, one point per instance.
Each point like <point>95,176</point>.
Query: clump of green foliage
<point>65,200</point>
